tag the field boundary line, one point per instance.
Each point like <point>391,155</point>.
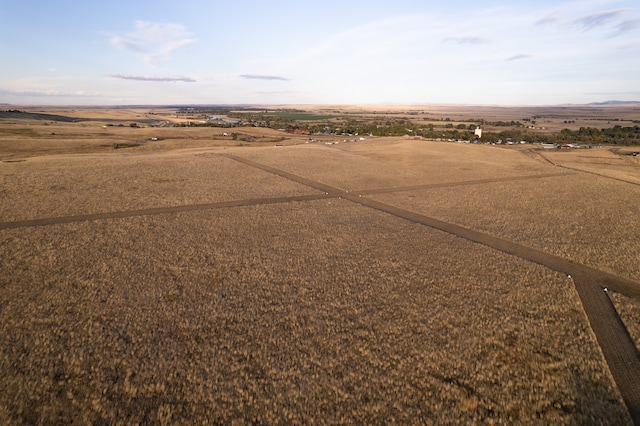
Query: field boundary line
<point>576,169</point>
<point>157,211</point>
<point>328,189</point>
<point>618,348</point>
<point>625,286</point>
<point>619,351</point>
<point>460,183</point>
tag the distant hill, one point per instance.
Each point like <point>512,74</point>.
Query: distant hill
<point>613,102</point>
<point>17,114</point>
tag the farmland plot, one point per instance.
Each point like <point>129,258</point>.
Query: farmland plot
<point>302,310</point>
<point>289,313</point>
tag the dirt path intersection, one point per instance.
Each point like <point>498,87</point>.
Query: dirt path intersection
<point>253,380</point>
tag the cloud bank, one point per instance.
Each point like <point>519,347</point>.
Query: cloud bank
<point>599,19</point>
<point>168,79</point>
<point>463,40</point>
<point>264,77</point>
<point>614,19</point>
<point>626,26</point>
<point>519,57</point>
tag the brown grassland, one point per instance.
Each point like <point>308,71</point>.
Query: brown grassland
<point>197,279</point>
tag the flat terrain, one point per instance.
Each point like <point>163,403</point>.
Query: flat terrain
<point>200,279</point>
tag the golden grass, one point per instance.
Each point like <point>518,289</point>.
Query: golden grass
<point>393,162</point>
<point>585,218</point>
<point>294,313</point>
<point>85,184</point>
<point>302,312</point>
<point>610,162</point>
<point>629,311</point>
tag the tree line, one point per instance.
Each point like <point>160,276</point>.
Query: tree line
<point>617,135</point>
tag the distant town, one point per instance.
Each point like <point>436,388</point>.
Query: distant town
<point>415,125</point>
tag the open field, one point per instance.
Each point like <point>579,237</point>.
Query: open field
<point>198,278</point>
<point>554,214</point>
<point>629,310</point>
<point>615,163</point>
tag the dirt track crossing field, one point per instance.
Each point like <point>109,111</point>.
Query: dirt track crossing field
<point>316,303</point>
<point>619,350</point>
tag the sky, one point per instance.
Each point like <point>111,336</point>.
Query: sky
<point>495,52</point>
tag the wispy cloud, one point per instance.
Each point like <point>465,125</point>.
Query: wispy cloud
<point>605,18</point>
<point>547,21</point>
<point>48,92</point>
<point>599,19</point>
<point>283,92</point>
<point>153,42</point>
<point>263,77</point>
<point>626,26</point>
<point>464,40</point>
<point>519,57</point>
<point>169,79</point>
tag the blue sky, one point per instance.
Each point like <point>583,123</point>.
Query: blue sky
<point>506,52</point>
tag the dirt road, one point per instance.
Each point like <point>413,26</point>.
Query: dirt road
<point>618,348</point>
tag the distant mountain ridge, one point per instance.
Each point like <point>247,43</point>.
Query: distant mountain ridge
<point>614,102</point>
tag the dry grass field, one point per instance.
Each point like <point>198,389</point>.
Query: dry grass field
<point>110,183</point>
<point>629,310</point>
<point>192,280</point>
<point>613,163</point>
<point>589,219</point>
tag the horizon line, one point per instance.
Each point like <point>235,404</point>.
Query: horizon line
<point>325,104</point>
